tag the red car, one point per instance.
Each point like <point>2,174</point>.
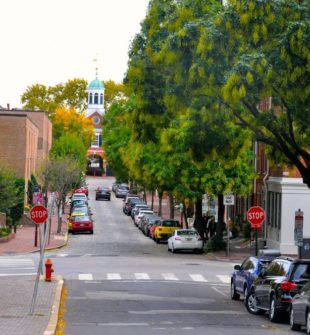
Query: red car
<point>82,223</point>
<point>81,190</point>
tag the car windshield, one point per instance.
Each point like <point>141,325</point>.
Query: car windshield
<point>171,223</point>
<point>186,233</point>
<point>81,218</point>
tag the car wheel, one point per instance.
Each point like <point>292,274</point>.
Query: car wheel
<point>233,294</point>
<point>157,240</point>
<point>274,314</point>
<point>250,304</point>
<point>293,325</point>
<point>91,231</point>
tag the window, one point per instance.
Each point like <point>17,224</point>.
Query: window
<point>101,98</point>
<point>90,98</point>
<point>96,99</point>
<point>96,141</point>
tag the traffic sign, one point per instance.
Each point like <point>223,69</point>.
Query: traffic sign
<point>298,228</point>
<point>256,216</point>
<point>229,199</point>
<point>38,214</point>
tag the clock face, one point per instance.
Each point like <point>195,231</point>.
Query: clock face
<point>96,120</point>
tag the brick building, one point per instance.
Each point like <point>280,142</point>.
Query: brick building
<point>25,140</point>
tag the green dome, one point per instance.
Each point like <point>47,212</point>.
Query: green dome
<point>95,85</point>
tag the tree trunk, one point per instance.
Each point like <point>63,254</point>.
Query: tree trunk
<point>144,196</point>
<point>59,217</point>
<point>171,205</point>
<point>152,204</point>
<point>220,220</point>
<point>198,217</point>
<point>160,201</point>
<point>184,213</point>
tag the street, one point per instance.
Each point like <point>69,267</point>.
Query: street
<point>121,282</point>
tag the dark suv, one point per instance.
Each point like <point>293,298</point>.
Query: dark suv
<point>275,287</point>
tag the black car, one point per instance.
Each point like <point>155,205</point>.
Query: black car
<point>274,289</point>
<point>103,193</point>
<point>300,309</point>
<point>129,203</point>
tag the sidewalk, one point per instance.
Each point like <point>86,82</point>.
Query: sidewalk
<point>16,291</point>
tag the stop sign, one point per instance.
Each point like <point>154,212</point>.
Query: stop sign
<point>38,214</point>
<point>256,216</point>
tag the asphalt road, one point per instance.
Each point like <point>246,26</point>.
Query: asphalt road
<point>121,282</point>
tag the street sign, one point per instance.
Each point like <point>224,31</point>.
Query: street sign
<point>38,214</point>
<point>256,216</point>
<point>298,228</point>
<point>229,199</point>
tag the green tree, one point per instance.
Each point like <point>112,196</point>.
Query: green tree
<point>72,94</point>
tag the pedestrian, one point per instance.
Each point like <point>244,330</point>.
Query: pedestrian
<point>211,226</point>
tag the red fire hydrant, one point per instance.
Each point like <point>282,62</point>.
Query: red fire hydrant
<point>48,269</point>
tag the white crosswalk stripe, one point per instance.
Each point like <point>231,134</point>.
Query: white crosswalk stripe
<point>10,266</point>
<point>195,277</point>
<point>114,276</point>
<point>142,276</point>
<point>85,276</point>
<point>224,278</point>
<point>198,278</point>
<point>170,276</point>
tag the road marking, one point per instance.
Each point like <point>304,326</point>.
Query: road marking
<point>142,276</point>
<point>219,291</point>
<point>17,274</point>
<point>224,278</point>
<point>114,276</point>
<point>85,276</point>
<point>198,278</point>
<point>188,311</point>
<point>169,276</point>
<point>122,324</point>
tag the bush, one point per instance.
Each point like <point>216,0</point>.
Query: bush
<point>215,244</point>
<point>5,231</point>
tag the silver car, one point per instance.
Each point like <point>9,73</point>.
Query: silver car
<point>185,239</point>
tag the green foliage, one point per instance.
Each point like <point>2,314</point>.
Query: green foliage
<point>246,229</point>
<point>5,231</point>
<point>70,146</point>
<point>215,244</point>
<point>9,193</point>
<point>72,94</point>
<point>16,212</point>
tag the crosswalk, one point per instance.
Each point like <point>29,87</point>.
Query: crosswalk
<point>172,277</point>
<point>10,266</point>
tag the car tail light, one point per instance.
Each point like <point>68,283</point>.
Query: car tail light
<point>177,238</point>
<point>288,286</point>
<point>159,229</point>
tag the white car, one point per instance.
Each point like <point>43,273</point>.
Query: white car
<point>139,216</point>
<point>185,239</point>
<point>79,196</point>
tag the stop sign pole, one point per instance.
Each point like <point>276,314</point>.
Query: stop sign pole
<point>38,214</point>
<point>256,215</point>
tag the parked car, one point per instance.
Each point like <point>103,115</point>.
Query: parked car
<point>164,229</point>
<point>129,203</point>
<point>82,223</point>
<point>148,222</point>
<point>78,196</point>
<point>78,203</point>
<point>121,191</point>
<point>185,239</point>
<point>82,189</point>
<point>103,193</point>
<point>243,276</point>
<point>136,208</point>
<point>300,309</point>
<point>139,217</point>
<point>77,211</point>
<point>276,286</point>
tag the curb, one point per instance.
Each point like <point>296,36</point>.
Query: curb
<point>56,247</point>
<point>52,323</point>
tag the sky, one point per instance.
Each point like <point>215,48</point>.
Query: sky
<point>52,41</point>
